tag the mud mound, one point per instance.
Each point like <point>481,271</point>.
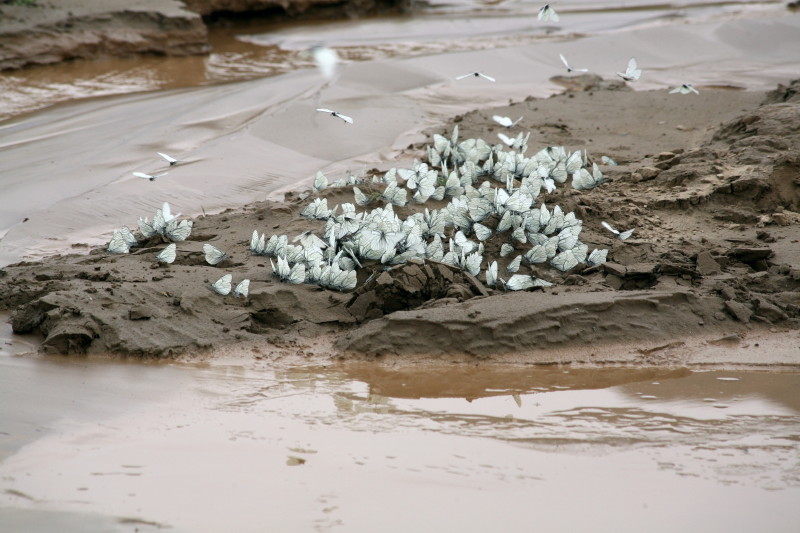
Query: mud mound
<point>411,285</point>
<point>714,252</point>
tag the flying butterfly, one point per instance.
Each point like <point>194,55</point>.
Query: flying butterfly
<point>151,177</point>
<point>167,255</point>
<point>476,75</point>
<point>213,254</point>
<point>620,235</point>
<point>570,69</point>
<point>547,14</point>
<point>222,285</point>
<point>169,159</point>
<point>326,60</point>
<point>506,121</point>
<point>506,139</point>
<point>336,114</point>
<point>632,73</point>
<point>685,88</point>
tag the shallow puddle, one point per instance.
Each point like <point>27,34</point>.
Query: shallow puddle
<point>91,445</point>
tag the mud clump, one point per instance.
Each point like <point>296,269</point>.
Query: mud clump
<point>411,285</point>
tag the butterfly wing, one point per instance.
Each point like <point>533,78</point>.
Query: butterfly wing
<point>168,254</point>
<point>223,285</point>
<point>213,254</point>
<point>242,289</point>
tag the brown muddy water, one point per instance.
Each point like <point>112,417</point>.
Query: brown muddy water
<point>242,445</point>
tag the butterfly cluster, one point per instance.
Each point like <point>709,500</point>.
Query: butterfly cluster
<point>491,195</point>
<point>164,224</point>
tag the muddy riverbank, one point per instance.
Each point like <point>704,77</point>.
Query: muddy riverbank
<point>714,257</point>
<point>46,32</point>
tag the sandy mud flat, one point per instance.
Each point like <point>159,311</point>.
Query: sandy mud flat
<point>709,182</point>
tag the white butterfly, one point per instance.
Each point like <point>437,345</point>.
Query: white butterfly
<point>547,13</point>
<point>481,231</point>
<point>568,238</point>
<point>505,121</point>
<point>242,289</point>
<point>506,249</point>
<point>294,275</point>
<point>564,261</point>
<point>597,257</point>
<point>395,195</point>
<point>513,266</point>
<point>519,282</point>
<point>129,237</point>
<point>686,88</point>
<point>276,245</point>
<point>582,180</point>
<point>361,198</point>
<point>171,160</point>
<point>336,114</point>
<point>151,177</point>
<point>620,235</point>
<point>476,75</point>
<point>320,181</point>
<point>254,239</point>
<point>574,162</point>
<point>167,255</point>
<point>435,250</point>
<point>506,139</point>
<point>317,209</point>
<point>326,60</point>
<point>608,161</point>
<point>222,285</point>
<point>146,228</point>
<point>118,244</point>
<point>213,254</point>
<point>309,240</point>
<point>537,254</point>
<point>178,231</point>
<point>491,274</point>
<point>167,213</point>
<point>570,69</point>
<point>472,263</point>
<point>632,73</point>
<point>452,186</point>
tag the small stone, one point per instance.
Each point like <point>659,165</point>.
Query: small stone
<point>614,269</point>
<point>139,313</point>
<point>664,156</point>
<point>739,311</point>
<point>648,173</point>
<point>706,265</point>
<point>769,311</point>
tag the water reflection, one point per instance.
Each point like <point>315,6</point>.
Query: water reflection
<point>122,440</point>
